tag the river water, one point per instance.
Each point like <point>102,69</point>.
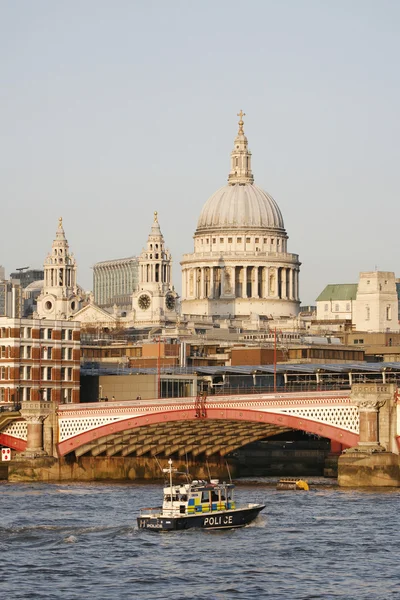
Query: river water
<point>80,541</point>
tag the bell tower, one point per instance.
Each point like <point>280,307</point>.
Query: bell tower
<point>59,298</point>
<point>155,301</point>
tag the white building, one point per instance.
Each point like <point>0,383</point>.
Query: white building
<point>155,302</point>
<point>240,267</point>
<point>370,305</point>
<point>377,303</point>
<point>60,298</point>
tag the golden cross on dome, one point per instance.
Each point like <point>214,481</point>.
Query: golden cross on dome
<point>60,222</point>
<point>155,216</point>
<point>241,114</point>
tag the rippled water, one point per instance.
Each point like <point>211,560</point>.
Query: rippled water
<point>80,541</point>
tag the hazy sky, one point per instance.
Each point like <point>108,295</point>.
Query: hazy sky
<point>110,110</point>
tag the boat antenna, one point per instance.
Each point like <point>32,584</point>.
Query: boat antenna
<point>229,471</point>
<point>208,469</point>
<point>158,462</point>
<point>187,463</point>
<point>170,481</point>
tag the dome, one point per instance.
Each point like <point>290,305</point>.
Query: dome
<point>240,206</point>
<point>35,286</point>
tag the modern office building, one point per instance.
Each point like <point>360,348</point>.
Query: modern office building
<point>114,282</point>
<point>28,276</point>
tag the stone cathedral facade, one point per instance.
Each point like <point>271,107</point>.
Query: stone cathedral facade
<point>240,267</point>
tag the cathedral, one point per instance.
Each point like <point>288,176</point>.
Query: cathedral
<point>239,272</point>
<point>240,268</point>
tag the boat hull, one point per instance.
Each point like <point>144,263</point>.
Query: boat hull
<point>228,519</point>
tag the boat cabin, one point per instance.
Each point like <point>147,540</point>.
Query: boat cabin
<point>198,496</point>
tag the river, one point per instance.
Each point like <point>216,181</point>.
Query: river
<point>80,541</point>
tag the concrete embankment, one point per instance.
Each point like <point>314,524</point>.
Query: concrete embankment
<point>107,468</point>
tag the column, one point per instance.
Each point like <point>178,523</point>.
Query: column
<point>202,275</point>
<point>369,433</point>
<point>283,283</point>
<point>296,284</point>
<point>244,284</point>
<point>266,282</point>
<point>290,284</point>
<point>254,290</point>
<point>211,295</point>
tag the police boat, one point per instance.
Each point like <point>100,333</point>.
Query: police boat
<point>196,503</point>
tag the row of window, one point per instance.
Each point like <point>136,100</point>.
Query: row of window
<point>367,311</point>
<point>46,333</point>
<point>46,373</point>
<point>46,394</point>
<point>239,240</point>
<point>46,352</point>
<point>337,307</point>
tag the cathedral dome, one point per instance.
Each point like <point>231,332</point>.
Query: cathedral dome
<point>240,206</point>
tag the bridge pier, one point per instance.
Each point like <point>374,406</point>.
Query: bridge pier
<point>40,418</point>
<point>375,460</point>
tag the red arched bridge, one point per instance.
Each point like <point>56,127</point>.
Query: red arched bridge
<point>197,426</point>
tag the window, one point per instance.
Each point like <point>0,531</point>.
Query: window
<point>367,312</point>
<point>28,373</point>
<point>214,240</point>
<point>326,307</point>
<point>68,395</point>
<point>28,351</point>
<point>248,240</point>
<point>69,373</point>
<point>272,241</point>
<point>265,240</point>
<point>239,240</point>
<point>257,240</point>
<point>348,306</point>
<point>70,334</point>
<point>63,334</point>
<point>62,373</point>
<point>229,240</point>
<point>388,313</point>
<point>29,332</point>
<point>336,307</point>
<point>3,351</point>
<point>3,373</point>
<point>28,394</point>
<point>221,240</point>
<point>49,332</point>
<point>42,334</point>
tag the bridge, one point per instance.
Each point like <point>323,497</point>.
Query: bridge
<point>200,426</point>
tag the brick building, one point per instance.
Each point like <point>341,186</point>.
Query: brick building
<point>39,360</point>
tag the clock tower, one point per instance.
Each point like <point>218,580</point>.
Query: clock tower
<point>60,298</point>
<point>155,301</point>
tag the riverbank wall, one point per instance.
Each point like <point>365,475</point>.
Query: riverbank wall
<point>48,469</point>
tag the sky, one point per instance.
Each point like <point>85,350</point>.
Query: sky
<point>110,110</point>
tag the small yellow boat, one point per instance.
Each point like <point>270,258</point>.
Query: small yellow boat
<point>292,484</point>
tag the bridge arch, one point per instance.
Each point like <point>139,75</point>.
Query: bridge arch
<point>158,431</point>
